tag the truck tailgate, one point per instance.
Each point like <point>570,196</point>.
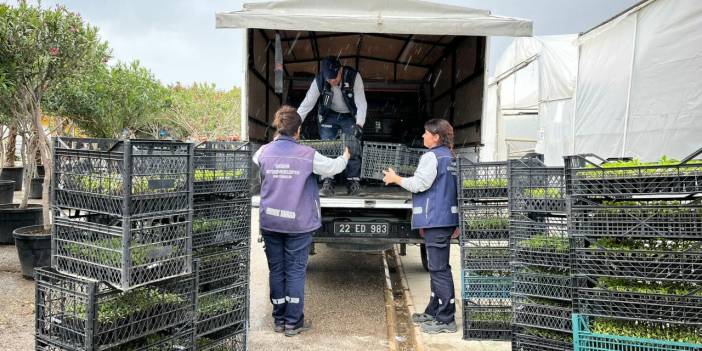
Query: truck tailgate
<point>381,197</point>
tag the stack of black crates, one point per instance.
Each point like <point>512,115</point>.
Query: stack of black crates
<point>637,236</point>
<point>485,254</point>
<point>121,267</point>
<point>542,280</point>
<point>221,242</point>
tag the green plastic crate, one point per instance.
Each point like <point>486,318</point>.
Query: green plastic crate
<point>585,340</point>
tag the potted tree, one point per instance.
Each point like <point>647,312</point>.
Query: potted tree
<point>14,216</point>
<point>7,187</point>
<point>41,47</point>
<point>9,170</point>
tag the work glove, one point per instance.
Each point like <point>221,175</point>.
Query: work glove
<point>353,143</point>
<point>357,131</point>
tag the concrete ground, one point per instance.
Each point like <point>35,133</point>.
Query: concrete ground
<point>343,299</point>
<point>418,280</point>
<point>16,303</point>
<point>16,300</point>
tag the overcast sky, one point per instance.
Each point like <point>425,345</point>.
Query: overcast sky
<point>178,42</point>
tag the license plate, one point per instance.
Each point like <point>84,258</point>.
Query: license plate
<point>361,228</point>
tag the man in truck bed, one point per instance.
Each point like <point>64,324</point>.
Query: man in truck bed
<point>342,106</point>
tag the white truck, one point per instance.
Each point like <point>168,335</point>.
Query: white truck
<point>418,60</point>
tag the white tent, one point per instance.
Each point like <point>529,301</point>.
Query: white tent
<point>639,89</point>
<point>373,16</point>
<point>528,105</point>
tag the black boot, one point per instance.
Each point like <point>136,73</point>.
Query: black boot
<point>354,187</point>
<point>327,187</point>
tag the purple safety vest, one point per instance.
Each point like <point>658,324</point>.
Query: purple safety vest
<point>289,191</point>
<point>438,206</point>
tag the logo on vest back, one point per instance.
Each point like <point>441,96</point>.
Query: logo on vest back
<point>282,171</point>
<point>280,213</point>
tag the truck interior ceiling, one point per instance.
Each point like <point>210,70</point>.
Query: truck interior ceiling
<point>408,79</point>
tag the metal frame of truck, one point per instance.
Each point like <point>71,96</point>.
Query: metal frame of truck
<point>306,26</point>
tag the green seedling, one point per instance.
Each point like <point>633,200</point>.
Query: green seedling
<point>131,303</point>
<point>647,330</point>
<point>215,304</point>
<point>490,223</point>
<point>210,175</point>
<point>542,193</point>
<point>635,168</point>
<point>108,252</point>
<point>546,243</point>
<point>550,334</point>
<point>681,288</point>
<point>113,184</point>
<point>549,302</point>
<point>654,245</point>
<point>484,183</point>
<point>496,316</point>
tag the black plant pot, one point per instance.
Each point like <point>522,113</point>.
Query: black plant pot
<point>13,173</point>
<point>7,190</point>
<point>33,248</point>
<point>35,188</point>
<point>13,217</point>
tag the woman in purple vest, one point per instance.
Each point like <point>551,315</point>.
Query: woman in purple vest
<point>435,214</point>
<point>289,213</point>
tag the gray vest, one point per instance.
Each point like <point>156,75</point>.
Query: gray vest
<point>289,192</point>
<point>348,79</point>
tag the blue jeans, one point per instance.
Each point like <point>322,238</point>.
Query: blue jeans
<point>442,302</point>
<point>287,262</point>
<point>329,128</point>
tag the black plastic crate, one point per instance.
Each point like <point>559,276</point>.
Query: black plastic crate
<point>484,222</point>
<point>542,313</point>
<point>222,266</point>
<point>534,187</point>
<point>482,180</point>
<point>670,219</point>
<point>328,148</point>
<point>486,258</point>
<point>525,340</point>
<point>223,167</point>
<point>123,252</point>
<point>167,340</point>
<point>676,309</point>
<point>485,286</point>
<point>378,157</point>
<point>542,285</point>
<point>472,244</point>
<point>122,177</point>
<point>230,339</point>
<point>487,302</point>
<point>222,308</point>
<point>487,323</point>
<point>220,221</point>
<point>540,241</point>
<point>591,175</point>
<point>638,264</point>
<point>84,314</point>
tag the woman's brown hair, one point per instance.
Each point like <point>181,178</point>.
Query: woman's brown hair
<point>443,129</point>
<point>287,121</point>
